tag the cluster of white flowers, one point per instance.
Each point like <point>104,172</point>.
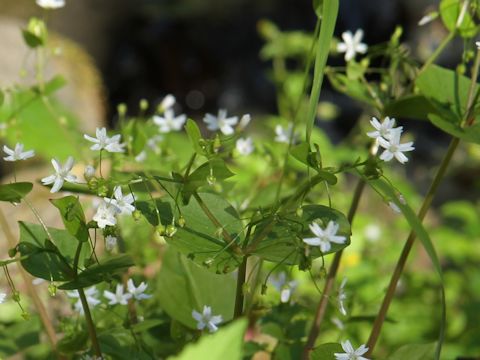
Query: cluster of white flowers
<point>350,352</point>
<point>388,137</point>
<point>285,287</point>
<point>352,44</point>
<point>324,237</point>
<point>118,297</point>
<point>206,319</point>
<point>110,207</point>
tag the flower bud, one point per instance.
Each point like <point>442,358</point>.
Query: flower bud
<point>122,109</point>
<point>52,289</point>
<point>143,104</point>
<point>136,214</point>
<point>89,172</point>
<point>170,230</point>
<point>181,221</point>
<point>12,252</point>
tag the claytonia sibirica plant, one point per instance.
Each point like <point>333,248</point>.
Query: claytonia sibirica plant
<point>351,353</point>
<point>62,174</point>
<point>103,142</point>
<point>352,44</point>
<point>138,293</point>
<point>283,135</point>
<point>91,295</point>
<point>393,148</point>
<point>245,146</point>
<point>324,237</point>
<point>122,203</point>
<point>169,122</point>
<point>17,153</point>
<point>167,103</point>
<point>206,319</point>
<point>118,297</point>
<point>283,286</point>
<point>221,122</point>
<point>105,215</point>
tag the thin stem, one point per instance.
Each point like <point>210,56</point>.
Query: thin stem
<point>90,325</point>
<point>332,273</point>
<point>239,294</point>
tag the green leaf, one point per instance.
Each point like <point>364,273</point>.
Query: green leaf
<point>73,343</point>
<point>15,192</point>
<point>413,106</point>
<point>450,11</point>
<point>450,126</point>
<point>355,89</point>
<point>225,344</point>
<point>330,11</point>
<point>326,351</point>
<point>302,153</point>
<point>284,243</point>
<point>184,286</point>
<point>414,352</point>
<point>72,216</point>
<point>318,7</point>
<point>388,192</point>
<point>194,135</point>
<point>97,273</point>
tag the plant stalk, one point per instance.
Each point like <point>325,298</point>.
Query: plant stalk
<point>239,294</point>
<point>90,325</point>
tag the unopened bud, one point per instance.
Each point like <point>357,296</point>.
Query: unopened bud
<point>52,289</point>
<point>170,230</point>
<point>181,221</point>
<point>89,172</point>
<point>136,214</point>
<point>143,105</point>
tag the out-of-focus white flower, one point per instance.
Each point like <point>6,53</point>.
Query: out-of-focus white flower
<point>244,121</point>
<point>62,173</point>
<point>286,288</point>
<point>91,295</point>
<point>119,297</point>
<point>110,242</point>
<point>141,156</point>
<point>338,323</point>
<point>373,232</point>
<point>51,4</point>
<point>428,18</point>
<point>221,122</point>
<point>105,215</point>
<point>283,135</point>
<point>102,141</point>
<point>138,292</point>
<point>352,44</point>
<point>123,203</point>
<point>245,146</point>
<point>350,352</point>
<point>167,103</point>
<point>3,297</point>
<point>477,43</point>
<point>384,130</point>
<point>169,122</point>
<point>17,153</point>
<point>324,238</point>
<point>342,296</point>
<point>206,319</point>
<point>393,148</point>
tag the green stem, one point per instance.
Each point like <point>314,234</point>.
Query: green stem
<point>90,324</point>
<point>239,294</point>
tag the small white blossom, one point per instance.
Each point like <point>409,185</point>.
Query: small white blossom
<point>351,353</point>
<point>105,215</point>
<point>352,44</point>
<point>119,297</point>
<point>385,130</point>
<point>167,103</point>
<point>244,121</point>
<point>221,122</point>
<point>324,238</point>
<point>286,288</point>
<point>62,173</point>
<point>91,295</point>
<point>284,135</point>
<point>3,297</point>
<point>51,4</point>
<point>123,203</point>
<point>206,319</point>
<point>110,242</point>
<point>393,148</point>
<point>17,153</point>
<point>102,141</point>
<point>169,122</point>
<point>245,146</point>
<point>342,296</point>
<point>141,156</point>
<point>138,292</point>
<point>152,143</point>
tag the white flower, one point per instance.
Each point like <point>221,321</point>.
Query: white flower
<point>61,174</point>
<point>89,172</point>
<point>342,296</point>
<point>17,153</point>
<point>386,129</point>
<point>352,44</point>
<point>221,122</point>
<point>123,203</point>
<point>102,141</point>
<point>284,135</point>
<point>338,323</point>
<point>167,102</point>
<point>324,237</point>
<point>206,319</point>
<point>110,242</point>
<point>169,122</point>
<point>51,4</point>
<point>141,156</point>
<point>285,287</point>
<point>138,292</point>
<point>245,146</point>
<point>3,296</point>
<point>351,353</point>
<point>91,295</point>
<point>105,215</point>
<point>393,148</point>
<point>244,121</point>
<point>118,297</point>
<point>477,43</point>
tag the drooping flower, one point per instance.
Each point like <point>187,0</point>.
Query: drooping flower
<point>51,4</point>
<point>324,238</point>
<point>342,296</point>
<point>102,141</point>
<point>118,297</point>
<point>393,148</point>
<point>123,203</point>
<point>283,135</point>
<point>350,352</point>
<point>383,130</point>
<point>206,319</point>
<point>167,103</point>
<point>62,174</point>
<point>221,122</point>
<point>244,146</point>
<point>169,122</point>
<point>286,288</point>
<point>105,215</point>
<point>138,292</point>
<point>352,44</point>
<point>17,153</point>
<point>91,295</point>
<point>110,242</point>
